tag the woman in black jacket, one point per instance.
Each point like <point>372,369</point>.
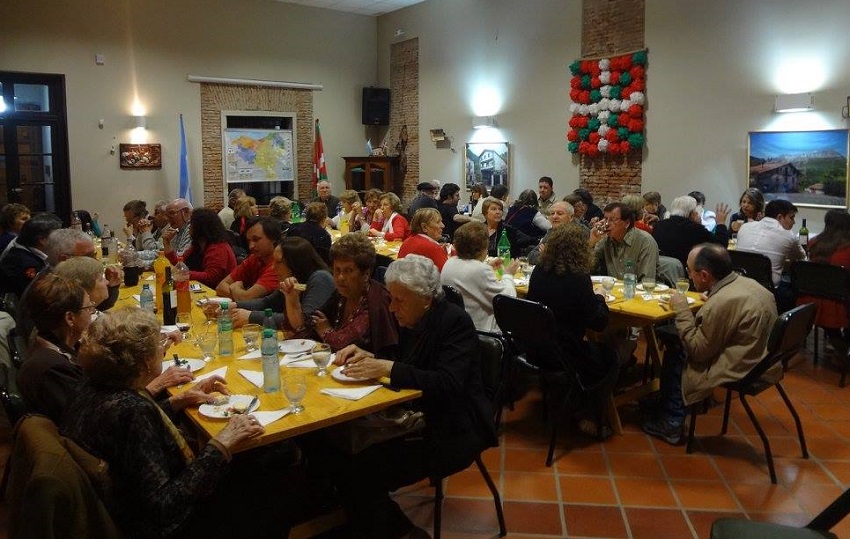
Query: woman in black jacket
<point>521,243</point>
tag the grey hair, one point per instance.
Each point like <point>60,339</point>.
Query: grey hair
<point>417,273</point>
<point>683,206</point>
<point>160,205</point>
<point>567,206</point>
<point>62,242</point>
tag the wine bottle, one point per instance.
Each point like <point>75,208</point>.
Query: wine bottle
<point>169,300</point>
<point>804,236</point>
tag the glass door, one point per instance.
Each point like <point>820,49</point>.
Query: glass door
<point>33,143</point>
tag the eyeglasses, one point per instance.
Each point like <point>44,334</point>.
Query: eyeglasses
<point>90,308</point>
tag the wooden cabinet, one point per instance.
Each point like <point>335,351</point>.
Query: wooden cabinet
<point>364,173</point>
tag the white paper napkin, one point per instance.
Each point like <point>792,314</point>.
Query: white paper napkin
<point>292,358</point>
<point>266,418</point>
<point>222,371</point>
<point>255,377</point>
<point>300,364</point>
<point>353,394</point>
<point>251,355</point>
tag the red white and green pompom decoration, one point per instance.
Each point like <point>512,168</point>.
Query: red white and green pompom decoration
<point>607,109</point>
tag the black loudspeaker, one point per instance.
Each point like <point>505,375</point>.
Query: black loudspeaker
<point>376,106</point>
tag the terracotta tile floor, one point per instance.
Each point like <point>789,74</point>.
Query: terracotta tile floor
<point>635,486</point>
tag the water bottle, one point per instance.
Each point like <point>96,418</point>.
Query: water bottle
<point>146,300</point>
<point>225,331</point>
<point>268,321</point>
<point>76,223</point>
<point>295,216</point>
<point>629,280</point>
<point>271,367</point>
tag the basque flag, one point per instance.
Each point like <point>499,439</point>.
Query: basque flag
<point>320,171</point>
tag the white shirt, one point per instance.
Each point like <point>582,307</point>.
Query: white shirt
<point>226,216</point>
<point>709,220</point>
<point>767,237</point>
<point>477,283</point>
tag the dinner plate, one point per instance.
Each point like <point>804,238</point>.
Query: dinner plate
<point>609,298</point>
<point>295,346</point>
<point>337,375</point>
<point>658,287</point>
<point>194,365</point>
<point>597,278</point>
<point>666,298</point>
<point>223,411</point>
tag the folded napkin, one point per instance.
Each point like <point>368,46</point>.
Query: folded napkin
<point>352,394</point>
<point>150,277</point>
<point>255,377</point>
<point>300,364</point>
<point>168,329</point>
<point>222,371</point>
<point>265,418</point>
<point>256,354</point>
<point>292,358</point>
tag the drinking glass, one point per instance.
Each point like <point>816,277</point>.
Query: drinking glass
<point>321,357</point>
<point>682,286</point>
<point>648,285</point>
<point>207,340</point>
<point>251,334</point>
<point>295,387</point>
<point>184,324</point>
<point>608,284</point>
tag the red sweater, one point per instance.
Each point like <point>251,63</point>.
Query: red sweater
<point>218,262</point>
<point>399,229</point>
<point>419,244</point>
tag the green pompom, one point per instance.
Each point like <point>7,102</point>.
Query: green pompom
<point>595,96</point>
<point>639,58</point>
<point>575,67</point>
<point>585,82</point>
<point>623,132</point>
<point>572,147</point>
<point>625,79</point>
<point>584,133</point>
<point>635,140</point>
<point>593,124</point>
<point>615,92</point>
<point>612,121</point>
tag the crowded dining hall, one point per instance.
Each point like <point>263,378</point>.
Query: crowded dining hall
<point>415,268</point>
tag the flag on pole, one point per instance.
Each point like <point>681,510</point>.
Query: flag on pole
<point>320,171</point>
<point>185,183</point>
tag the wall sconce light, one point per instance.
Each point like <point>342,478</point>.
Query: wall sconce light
<point>140,120</point>
<point>794,103</point>
<point>845,110</point>
<point>438,135</point>
<point>480,122</point>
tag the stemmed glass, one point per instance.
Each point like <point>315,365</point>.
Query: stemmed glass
<point>648,285</point>
<point>321,357</point>
<point>295,387</point>
<point>184,324</point>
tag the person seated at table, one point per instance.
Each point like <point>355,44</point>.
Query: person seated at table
<point>88,273</point>
<point>426,229</point>
<point>358,310</point>
<point>210,257</point>
<point>525,217</point>
<point>12,218</point>
<point>439,347</point>
<point>226,213</point>
<point>313,229</point>
<point>616,242</point>
<point>280,208</point>
<point>244,210</point>
<point>637,204</point>
<point>159,486</point>
<point>255,277</point>
<point>477,193</point>
<point>751,209</point>
<point>388,222</point>
<point>350,209</point>
<point>653,209</point>
<point>591,212</point>
<point>679,233</point>
<point>295,261</point>
<point>721,343</point>
<point>25,255</point>
<point>176,234</point>
<point>560,213</point>
<point>323,190</point>
<point>521,243</point>
<point>476,279</point>
<point>50,377</point>
<point>363,220</point>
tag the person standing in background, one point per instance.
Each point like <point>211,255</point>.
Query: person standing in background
<point>546,195</point>
<point>226,213</point>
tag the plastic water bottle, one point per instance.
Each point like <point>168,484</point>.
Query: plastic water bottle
<point>629,280</point>
<point>268,321</point>
<point>225,331</point>
<point>146,300</point>
<point>271,366</point>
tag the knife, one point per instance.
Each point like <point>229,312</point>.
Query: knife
<point>251,404</point>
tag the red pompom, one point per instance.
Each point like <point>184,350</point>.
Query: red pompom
<point>575,95</point>
<point>623,119</point>
<point>625,147</point>
<point>575,82</point>
<point>594,138</point>
<point>615,77</point>
<point>637,72</point>
<point>612,136</point>
<point>638,85</point>
<point>592,150</point>
<point>636,126</point>
<point>595,82</point>
<point>572,135</point>
<point>585,97</point>
<point>636,111</point>
<point>583,121</point>
<point>587,66</point>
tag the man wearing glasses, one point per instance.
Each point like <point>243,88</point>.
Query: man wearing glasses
<point>179,213</point>
<point>616,241</point>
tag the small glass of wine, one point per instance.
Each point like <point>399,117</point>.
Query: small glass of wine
<point>682,286</point>
<point>648,285</point>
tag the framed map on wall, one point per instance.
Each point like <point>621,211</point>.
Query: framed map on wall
<point>258,155</point>
<point>487,163</point>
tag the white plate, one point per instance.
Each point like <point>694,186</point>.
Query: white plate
<point>295,346</point>
<point>337,375</point>
<point>658,287</point>
<point>609,298</point>
<point>666,299</point>
<point>194,364</point>
<point>221,411</point>
<point>597,278</point>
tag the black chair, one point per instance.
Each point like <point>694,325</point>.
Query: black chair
<point>379,273</point>
<point>491,354</point>
<point>753,265</point>
<point>13,404</point>
<point>529,328</point>
<point>17,346</point>
<point>453,295</point>
<point>828,282</point>
<point>786,339</point>
<point>383,260</point>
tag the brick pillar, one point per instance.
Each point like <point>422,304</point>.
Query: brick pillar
<point>404,110</point>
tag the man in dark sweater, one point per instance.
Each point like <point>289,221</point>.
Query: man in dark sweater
<point>679,234</point>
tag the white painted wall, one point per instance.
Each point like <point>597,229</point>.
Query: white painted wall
<point>150,48</point>
<point>714,68</point>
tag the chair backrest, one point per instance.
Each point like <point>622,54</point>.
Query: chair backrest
<point>670,270</point>
<point>492,351</point>
<point>756,266</point>
<point>786,339</point>
<point>379,273</point>
<point>820,280</point>
<point>530,326</point>
<point>453,295</point>
<point>13,404</point>
<point>382,260</point>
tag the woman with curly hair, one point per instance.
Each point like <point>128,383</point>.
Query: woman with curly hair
<point>524,216</point>
<point>751,209</point>
<point>561,282</point>
<point>280,208</point>
<point>210,257</point>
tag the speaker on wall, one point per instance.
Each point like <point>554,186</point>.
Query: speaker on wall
<point>376,106</point>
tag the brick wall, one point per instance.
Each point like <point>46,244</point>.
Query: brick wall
<point>404,110</point>
<point>218,97</point>
<point>609,28</point>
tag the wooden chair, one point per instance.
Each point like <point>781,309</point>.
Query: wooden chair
<point>753,265</point>
<point>786,339</point>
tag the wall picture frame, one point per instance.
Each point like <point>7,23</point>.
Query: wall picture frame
<point>807,168</point>
<point>487,163</point>
<point>140,155</point>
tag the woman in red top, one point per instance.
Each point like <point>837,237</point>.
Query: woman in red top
<point>388,222</point>
<point>210,257</point>
<point>832,246</point>
<point>427,229</point>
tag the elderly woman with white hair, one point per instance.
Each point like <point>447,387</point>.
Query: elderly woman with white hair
<point>679,234</point>
<point>438,354</point>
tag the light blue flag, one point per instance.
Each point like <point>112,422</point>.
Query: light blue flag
<point>369,147</point>
<point>185,183</point>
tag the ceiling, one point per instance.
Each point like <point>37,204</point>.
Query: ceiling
<point>363,7</point>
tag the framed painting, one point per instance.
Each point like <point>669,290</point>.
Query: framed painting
<point>487,163</point>
<point>807,168</point>
<point>140,155</point>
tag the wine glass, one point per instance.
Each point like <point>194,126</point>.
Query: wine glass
<point>648,285</point>
<point>206,341</point>
<point>251,334</point>
<point>321,357</point>
<point>184,324</point>
<point>682,286</point>
<point>608,285</point>
<point>295,387</point>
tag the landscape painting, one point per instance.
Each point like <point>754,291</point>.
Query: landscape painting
<point>808,168</point>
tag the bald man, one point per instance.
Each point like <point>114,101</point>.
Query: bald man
<point>176,236</point>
